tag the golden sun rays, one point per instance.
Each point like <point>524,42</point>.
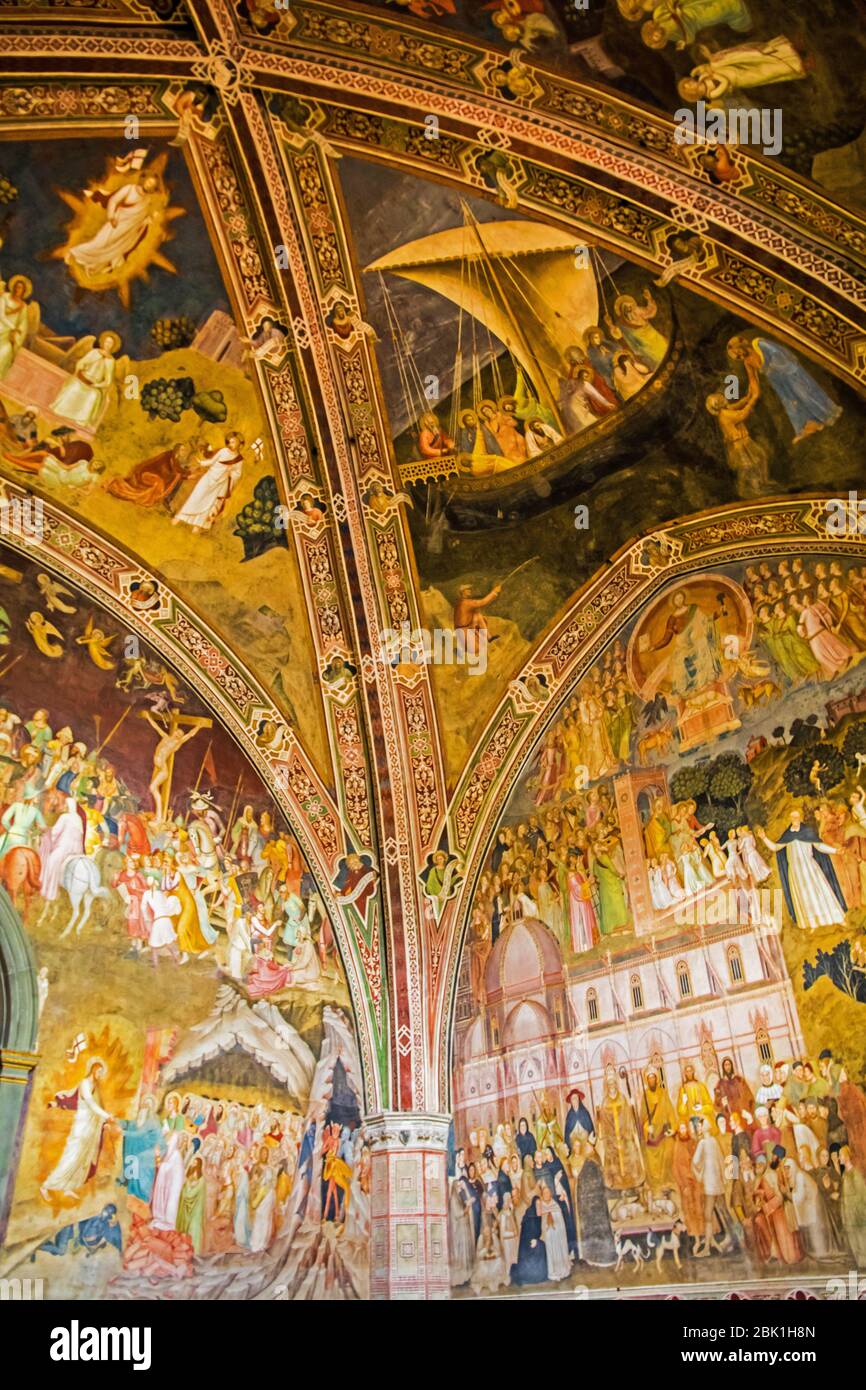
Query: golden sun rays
<point>119,225</point>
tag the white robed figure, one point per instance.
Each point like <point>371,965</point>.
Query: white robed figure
<point>809,883</point>
<point>165,1198</point>
<point>64,839</point>
<point>731,70</point>
<point>240,945</point>
<point>241,1215</point>
<point>81,396</point>
<point>555,1237</point>
<point>127,214</point>
<point>810,1212</point>
<point>222,472</point>
<point>15,324</point>
<point>78,1162</point>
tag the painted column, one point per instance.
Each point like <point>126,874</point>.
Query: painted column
<point>408,1205</point>
<point>19,1024</point>
<point>16,1076</point>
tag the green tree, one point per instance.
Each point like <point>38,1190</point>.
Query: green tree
<point>729,780</point>
<point>854,743</point>
<point>690,783</point>
<point>170,333</point>
<point>815,771</point>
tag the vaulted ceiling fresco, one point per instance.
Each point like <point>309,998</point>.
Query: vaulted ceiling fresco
<point>430,644</point>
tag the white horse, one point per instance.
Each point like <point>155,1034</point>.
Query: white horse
<point>81,879</point>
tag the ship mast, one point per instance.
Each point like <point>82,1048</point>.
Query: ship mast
<point>539,380</point>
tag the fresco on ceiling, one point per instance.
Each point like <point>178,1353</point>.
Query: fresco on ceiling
<point>193,1128</point>
<point>548,401</point>
<point>660,1053</point>
<point>127,393</point>
<point>729,54</point>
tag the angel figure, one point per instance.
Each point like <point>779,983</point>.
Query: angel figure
<point>688,254</point>
<point>189,109</point>
<point>94,370</point>
<point>299,120</point>
<point>53,595</point>
<point>381,501</point>
<point>43,634</point>
<point>97,643</point>
<point>19,319</point>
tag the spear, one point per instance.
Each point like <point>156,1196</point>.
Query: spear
<point>235,801</point>
<point>105,742</point>
<point>7,669</point>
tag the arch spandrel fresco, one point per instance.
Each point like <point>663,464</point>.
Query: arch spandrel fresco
<point>130,395</point>
<point>547,400</point>
<point>195,1034</point>
<point>663,963</point>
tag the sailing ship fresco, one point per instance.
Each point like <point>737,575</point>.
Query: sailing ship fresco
<point>552,354</point>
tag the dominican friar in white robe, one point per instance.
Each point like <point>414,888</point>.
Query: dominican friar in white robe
<point>812,892</point>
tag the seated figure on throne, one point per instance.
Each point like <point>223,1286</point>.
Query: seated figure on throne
<point>690,641</point>
<point>687,648</point>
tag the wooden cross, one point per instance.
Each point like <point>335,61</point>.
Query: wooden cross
<point>171,738</point>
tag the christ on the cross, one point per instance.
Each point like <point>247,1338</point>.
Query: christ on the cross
<point>172,737</point>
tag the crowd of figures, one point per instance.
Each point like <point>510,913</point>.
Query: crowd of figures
<point>810,617</point>
<point>566,869</point>
<point>597,376</point>
<point>810,624</point>
<point>771,1171</point>
<point>564,863</point>
<point>234,1177</point>
<point>233,887</point>
<point>208,1177</point>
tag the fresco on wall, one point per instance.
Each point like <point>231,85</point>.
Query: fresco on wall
<point>745,55</point>
<point>127,393</point>
<point>193,1129</point>
<point>548,401</point>
<point>659,1053</point>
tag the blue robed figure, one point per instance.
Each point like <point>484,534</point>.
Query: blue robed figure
<point>142,1140</point>
<point>805,402</point>
<point>531,1264</point>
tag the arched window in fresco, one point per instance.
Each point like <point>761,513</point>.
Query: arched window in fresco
<point>684,979</point>
<point>735,965</point>
<point>657,1061</point>
<point>636,992</point>
<point>764,1046</point>
<point>592,1006</point>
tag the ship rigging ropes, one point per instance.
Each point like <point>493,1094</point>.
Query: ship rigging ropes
<point>525,294</point>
